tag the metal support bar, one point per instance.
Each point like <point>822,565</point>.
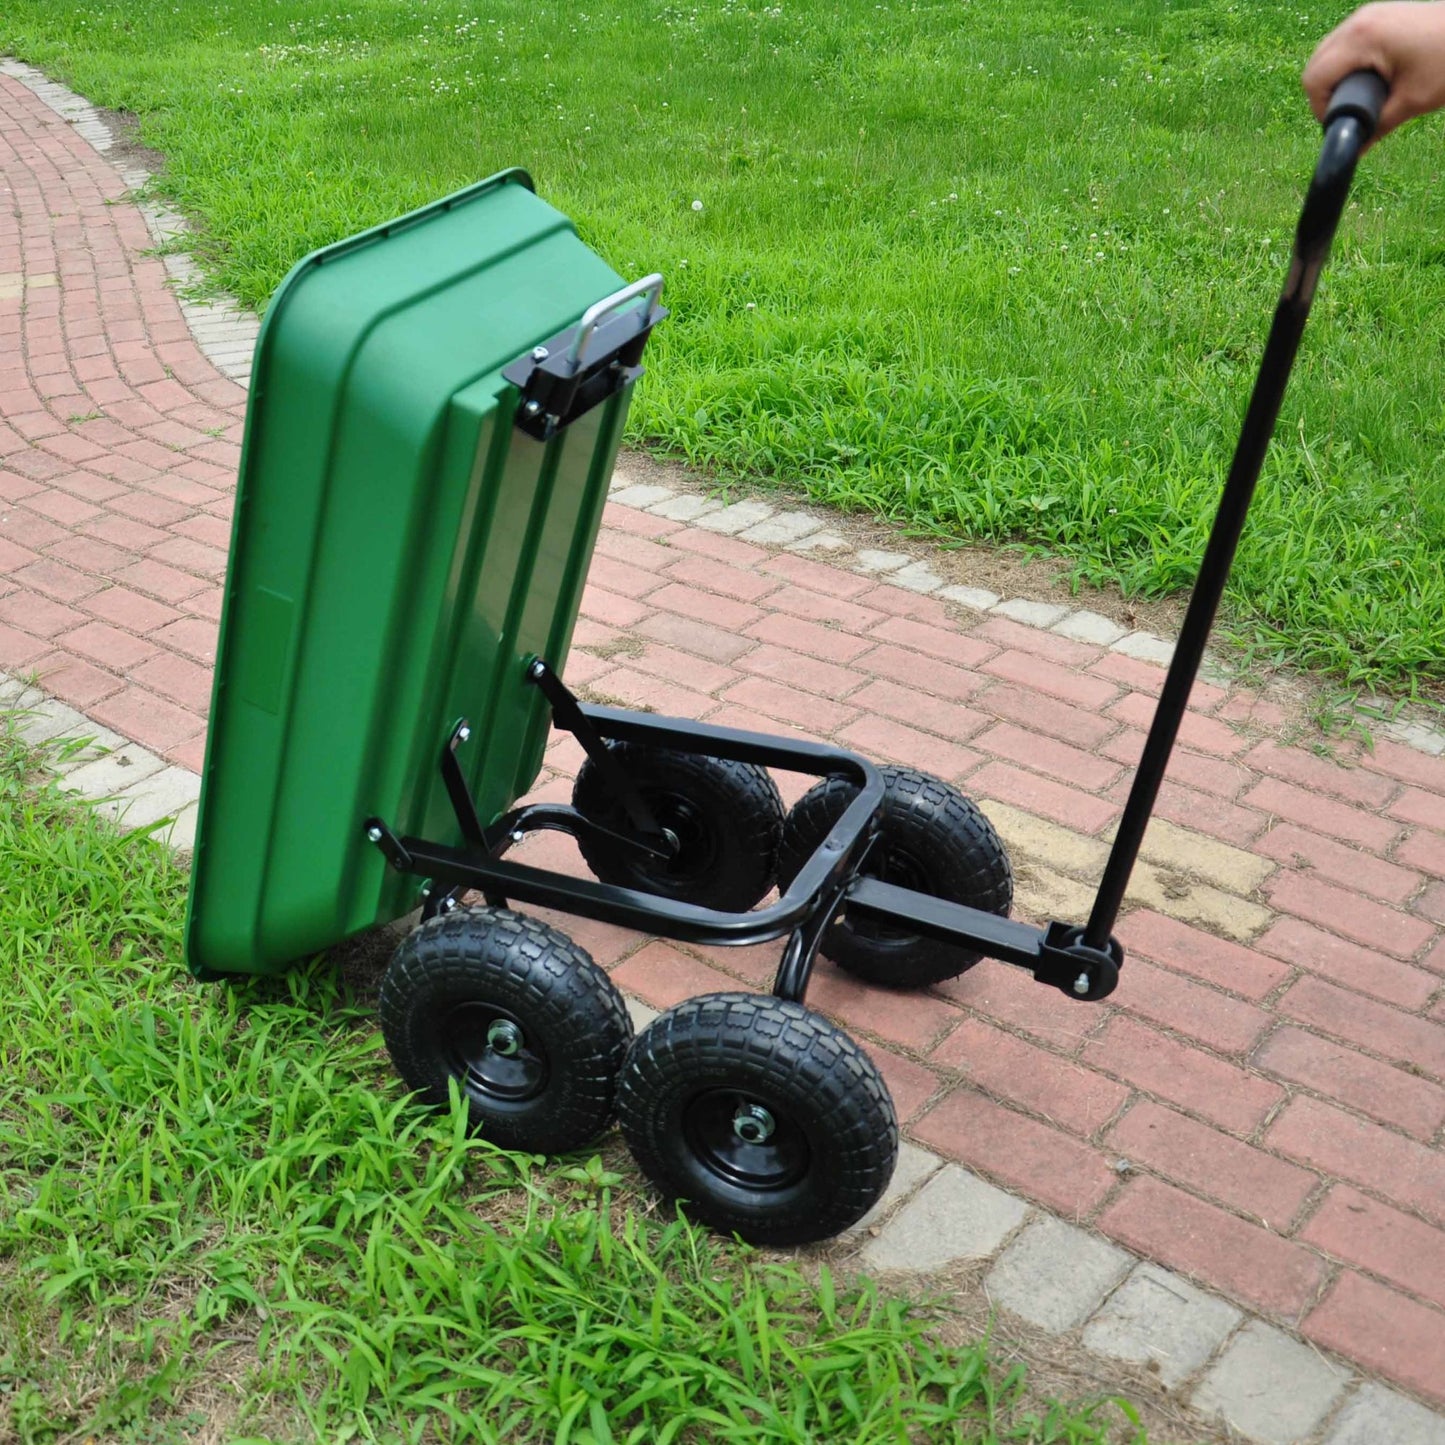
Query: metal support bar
<point>568,715</point>
<point>1323,205</point>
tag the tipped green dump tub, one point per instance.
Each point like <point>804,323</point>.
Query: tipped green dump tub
<point>400,549</point>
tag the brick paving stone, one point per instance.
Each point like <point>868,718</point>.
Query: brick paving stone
<point>1323,815</point>
<point>1211,1163</point>
<point>1409,765</point>
<point>1412,806</point>
<point>1010,996</point>
<point>664,976</point>
<point>1191,808</point>
<point>1384,1332</point>
<point>1003,632</point>
<point>914,1020</point>
<point>1347,963</point>
<point>1201,955</point>
<point>1330,1140</point>
<point>1046,755</point>
<point>1036,794</point>
<point>800,635</point>
<point>1227,1024</point>
<point>1323,774</point>
<point>909,1083</point>
<point>1398,1247</point>
<point>811,673</point>
<point>1347,913</point>
<point>1021,1153</point>
<point>948,646</point>
<point>1203,734</point>
<point>1195,1080</point>
<point>1247,1261</point>
<point>707,544</point>
<point>915,670</point>
<point>1039,675</point>
<point>1042,1082</point>
<point>903,704</point>
<point>1400,1038</point>
<point>1337,863</point>
<point>1376,1089</point>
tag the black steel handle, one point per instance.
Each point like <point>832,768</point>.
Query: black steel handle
<point>1361,94</point>
<point>1353,113</point>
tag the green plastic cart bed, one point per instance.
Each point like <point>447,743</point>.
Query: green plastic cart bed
<point>401,546</point>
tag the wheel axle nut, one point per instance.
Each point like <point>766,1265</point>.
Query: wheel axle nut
<point>1082,984</point>
<point>753,1124</point>
<point>504,1038</point>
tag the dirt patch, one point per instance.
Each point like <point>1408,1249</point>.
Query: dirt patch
<point>125,147</point>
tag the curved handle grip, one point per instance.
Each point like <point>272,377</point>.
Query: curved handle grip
<point>649,286</point>
<point>1361,94</point>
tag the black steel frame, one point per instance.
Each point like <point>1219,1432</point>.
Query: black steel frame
<point>1083,962</point>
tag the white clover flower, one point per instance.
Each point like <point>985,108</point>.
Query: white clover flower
<point>697,205</point>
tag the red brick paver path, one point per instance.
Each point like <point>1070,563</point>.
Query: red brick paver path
<point>1272,1067</point>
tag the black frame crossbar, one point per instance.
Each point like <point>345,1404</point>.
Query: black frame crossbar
<point>830,884</point>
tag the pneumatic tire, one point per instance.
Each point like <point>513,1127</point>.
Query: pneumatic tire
<point>530,1028</point>
<point>762,1117</point>
<point>727,817</point>
<point>933,840</point>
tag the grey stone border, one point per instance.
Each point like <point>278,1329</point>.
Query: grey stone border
<point>934,1212</point>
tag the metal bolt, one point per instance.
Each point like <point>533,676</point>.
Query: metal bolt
<point>532,408</point>
<point>753,1124</point>
<point>374,833</point>
<point>540,353</point>
<point>504,1038</point>
<point>518,835</point>
<point>1082,984</point>
<point>463,733</point>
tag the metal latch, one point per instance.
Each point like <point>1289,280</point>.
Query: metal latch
<point>570,373</point>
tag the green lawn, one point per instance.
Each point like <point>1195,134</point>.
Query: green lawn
<point>995,270</point>
<point>221,1220</point>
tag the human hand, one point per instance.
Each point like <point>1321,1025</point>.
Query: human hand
<point>1402,39</point>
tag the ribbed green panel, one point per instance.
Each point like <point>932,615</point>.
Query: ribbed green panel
<point>399,550</point>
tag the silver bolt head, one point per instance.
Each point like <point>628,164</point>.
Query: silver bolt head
<point>1082,984</point>
<point>532,408</point>
<point>518,836</point>
<point>374,833</point>
<point>540,353</point>
<point>463,733</point>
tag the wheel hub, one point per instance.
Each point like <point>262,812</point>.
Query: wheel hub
<point>491,1056</point>
<point>745,1142</point>
<point>753,1124</point>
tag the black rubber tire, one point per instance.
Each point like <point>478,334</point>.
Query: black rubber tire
<point>836,1135</point>
<point>458,975</point>
<point>933,840</point>
<point>728,818</point>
